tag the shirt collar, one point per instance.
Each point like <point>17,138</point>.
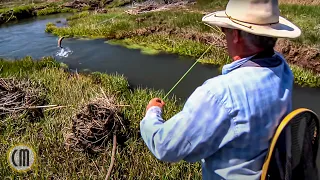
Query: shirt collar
<point>234,65</point>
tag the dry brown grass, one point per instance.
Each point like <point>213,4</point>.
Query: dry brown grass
<point>95,125</point>
<point>20,96</point>
<point>301,2</point>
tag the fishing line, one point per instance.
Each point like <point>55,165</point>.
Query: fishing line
<point>216,30</point>
<point>185,74</point>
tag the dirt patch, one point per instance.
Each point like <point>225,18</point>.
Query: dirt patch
<point>90,5</point>
<point>303,56</point>
<point>21,96</point>
<point>151,6</point>
<point>78,4</point>
<point>95,125</point>
<point>207,38</point>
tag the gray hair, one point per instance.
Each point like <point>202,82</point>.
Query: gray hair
<point>259,41</point>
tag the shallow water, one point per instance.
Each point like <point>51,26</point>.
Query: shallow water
<point>154,71</point>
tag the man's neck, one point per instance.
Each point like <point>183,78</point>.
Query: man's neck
<point>263,51</point>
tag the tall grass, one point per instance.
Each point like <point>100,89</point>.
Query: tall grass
<point>116,23</point>
<point>16,13</point>
<point>304,2</point>
<point>133,160</point>
<point>305,77</point>
<point>26,11</point>
<point>54,10</point>
<point>209,5</point>
<point>179,46</point>
<point>307,18</point>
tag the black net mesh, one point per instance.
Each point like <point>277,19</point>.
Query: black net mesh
<point>294,157</point>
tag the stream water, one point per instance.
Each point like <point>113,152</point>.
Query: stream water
<point>28,37</point>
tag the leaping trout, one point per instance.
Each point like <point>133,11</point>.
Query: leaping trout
<point>60,41</point>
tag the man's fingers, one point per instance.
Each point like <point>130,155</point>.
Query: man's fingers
<point>156,100</point>
<point>160,101</point>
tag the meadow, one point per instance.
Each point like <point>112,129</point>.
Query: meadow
<point>181,31</point>
<point>178,31</point>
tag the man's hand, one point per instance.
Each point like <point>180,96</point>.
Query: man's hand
<point>155,102</point>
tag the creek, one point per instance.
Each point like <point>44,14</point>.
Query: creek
<point>28,38</point>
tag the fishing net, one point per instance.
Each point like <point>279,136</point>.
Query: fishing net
<point>295,153</point>
<point>95,125</point>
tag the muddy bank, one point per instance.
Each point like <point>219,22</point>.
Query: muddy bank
<point>86,5</point>
<point>152,6</point>
<point>300,55</point>
<point>303,56</point>
<point>162,28</point>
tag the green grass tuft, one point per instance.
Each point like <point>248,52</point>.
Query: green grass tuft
<point>305,77</point>
<point>305,17</point>
<point>26,11</point>
<point>47,135</point>
<point>54,10</point>
<point>118,3</point>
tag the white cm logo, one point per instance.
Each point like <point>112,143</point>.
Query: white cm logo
<point>21,157</point>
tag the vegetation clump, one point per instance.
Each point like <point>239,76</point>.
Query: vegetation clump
<point>95,125</point>
<point>21,97</point>
<point>15,13</point>
<point>53,10</point>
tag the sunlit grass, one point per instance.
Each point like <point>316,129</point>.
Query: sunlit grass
<point>304,2</point>
<point>144,49</point>
<point>47,135</point>
<point>118,3</point>
<point>305,77</point>
<point>53,10</point>
<point>26,11</point>
<point>307,18</point>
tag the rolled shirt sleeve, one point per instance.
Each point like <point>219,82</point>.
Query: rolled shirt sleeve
<point>192,134</point>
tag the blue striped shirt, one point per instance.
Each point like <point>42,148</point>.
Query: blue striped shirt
<point>227,122</point>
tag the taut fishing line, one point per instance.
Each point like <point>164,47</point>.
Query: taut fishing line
<point>185,74</point>
<point>190,67</point>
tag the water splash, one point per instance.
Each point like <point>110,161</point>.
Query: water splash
<point>64,52</point>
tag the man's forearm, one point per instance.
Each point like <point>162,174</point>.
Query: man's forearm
<point>159,136</point>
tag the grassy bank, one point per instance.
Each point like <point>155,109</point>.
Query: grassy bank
<point>306,17</point>
<point>182,32</point>
<point>46,135</point>
<point>26,11</point>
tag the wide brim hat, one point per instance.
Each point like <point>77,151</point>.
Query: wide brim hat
<point>259,17</point>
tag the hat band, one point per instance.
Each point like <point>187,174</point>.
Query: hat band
<point>240,22</point>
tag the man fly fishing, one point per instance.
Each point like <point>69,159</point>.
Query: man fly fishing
<point>228,122</point>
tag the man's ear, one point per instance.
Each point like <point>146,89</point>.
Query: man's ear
<point>236,36</point>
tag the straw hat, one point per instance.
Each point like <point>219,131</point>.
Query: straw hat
<point>260,17</point>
